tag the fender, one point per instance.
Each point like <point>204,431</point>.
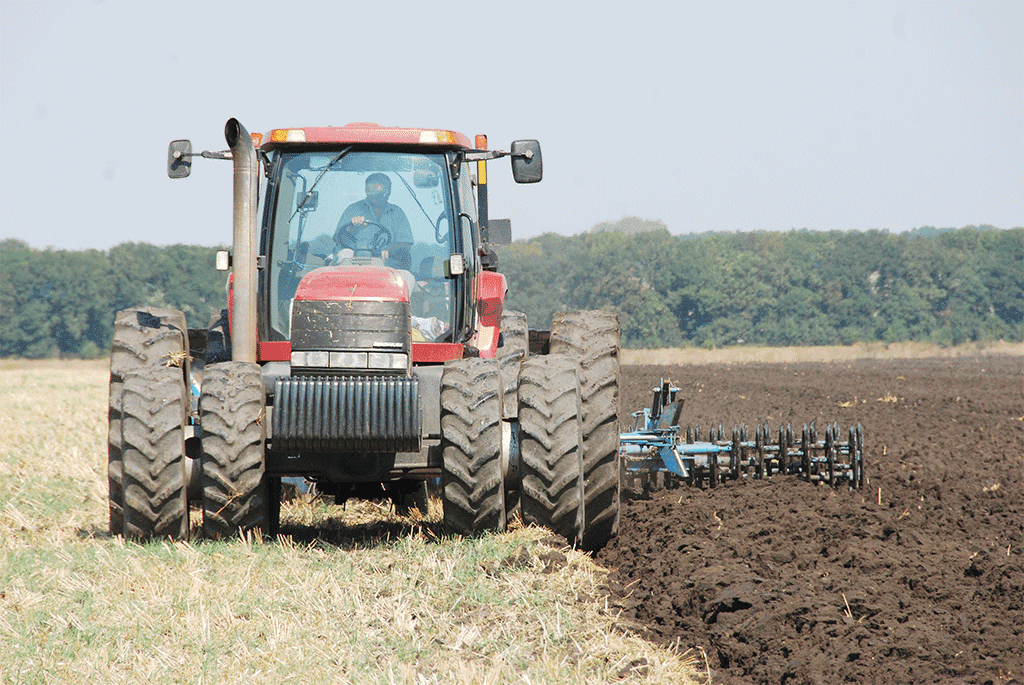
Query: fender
<point>491,288</point>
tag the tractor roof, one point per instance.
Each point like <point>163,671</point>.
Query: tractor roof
<point>363,132</point>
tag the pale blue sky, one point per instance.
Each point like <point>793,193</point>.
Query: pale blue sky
<point>732,116</point>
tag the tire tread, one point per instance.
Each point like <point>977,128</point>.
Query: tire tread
<point>154,411</point>
<point>592,338</point>
<point>143,337</point>
<point>550,445</point>
<point>471,410</point>
<point>235,489</point>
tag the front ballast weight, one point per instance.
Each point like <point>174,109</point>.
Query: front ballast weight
<point>658,449</point>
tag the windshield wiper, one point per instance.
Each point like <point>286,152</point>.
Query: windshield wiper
<point>413,193</point>
<point>319,176</point>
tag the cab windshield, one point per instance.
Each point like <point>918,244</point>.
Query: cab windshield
<point>373,208</point>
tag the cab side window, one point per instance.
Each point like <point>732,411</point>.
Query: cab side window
<point>467,204</point>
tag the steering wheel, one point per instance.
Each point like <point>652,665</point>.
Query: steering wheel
<point>381,239</point>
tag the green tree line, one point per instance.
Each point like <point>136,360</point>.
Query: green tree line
<point>769,288</point>
<point>714,289</point>
<point>62,303</point>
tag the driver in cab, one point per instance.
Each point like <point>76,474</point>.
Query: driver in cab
<point>371,225</point>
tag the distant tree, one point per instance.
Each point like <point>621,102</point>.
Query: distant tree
<point>179,276</point>
<point>58,302</point>
<point>795,288</point>
<point>630,225</point>
<point>1001,270</point>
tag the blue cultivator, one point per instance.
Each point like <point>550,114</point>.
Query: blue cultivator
<point>657,447</point>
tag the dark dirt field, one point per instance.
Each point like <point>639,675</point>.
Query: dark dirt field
<point>782,581</point>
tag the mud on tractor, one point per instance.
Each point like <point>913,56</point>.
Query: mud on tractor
<point>365,348</point>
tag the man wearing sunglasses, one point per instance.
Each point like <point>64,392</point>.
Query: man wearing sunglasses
<point>369,226</point>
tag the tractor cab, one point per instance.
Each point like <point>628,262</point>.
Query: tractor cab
<point>365,220</point>
<point>325,236</point>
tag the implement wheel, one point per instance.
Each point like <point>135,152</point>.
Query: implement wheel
<point>233,411</point>
<point>550,438</point>
<point>592,339</point>
<point>145,337</point>
<point>154,409</point>
<point>471,408</point>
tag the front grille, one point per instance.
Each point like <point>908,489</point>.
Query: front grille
<point>317,414</point>
<point>351,325</point>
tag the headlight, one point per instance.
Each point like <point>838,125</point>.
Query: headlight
<point>348,360</point>
<point>310,359</point>
<point>389,360</point>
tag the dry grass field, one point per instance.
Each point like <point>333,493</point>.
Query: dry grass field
<point>345,595</point>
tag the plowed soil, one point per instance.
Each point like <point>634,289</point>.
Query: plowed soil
<point>917,578</point>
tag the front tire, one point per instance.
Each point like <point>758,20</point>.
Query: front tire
<point>235,493</point>
<point>471,408</point>
<point>144,337</point>
<point>154,411</point>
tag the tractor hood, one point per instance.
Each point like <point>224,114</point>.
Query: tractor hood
<point>354,283</point>
<point>352,319</point>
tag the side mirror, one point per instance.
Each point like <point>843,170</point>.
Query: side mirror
<point>179,158</point>
<point>527,166</point>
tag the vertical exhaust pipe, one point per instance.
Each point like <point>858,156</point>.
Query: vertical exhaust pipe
<point>243,309</point>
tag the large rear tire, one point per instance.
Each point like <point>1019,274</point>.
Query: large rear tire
<point>471,409</point>
<point>550,445</point>
<point>233,411</point>
<point>144,337</point>
<point>512,352</point>
<point>154,409</point>
<point>515,334</point>
<point>592,339</point>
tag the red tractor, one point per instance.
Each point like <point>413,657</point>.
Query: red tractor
<point>365,349</point>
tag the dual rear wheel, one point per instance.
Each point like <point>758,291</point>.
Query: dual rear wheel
<point>145,440</point>
<point>147,467</point>
<point>552,451</point>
